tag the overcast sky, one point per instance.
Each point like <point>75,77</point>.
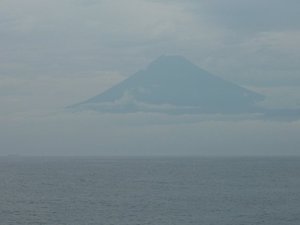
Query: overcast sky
<point>59,52</point>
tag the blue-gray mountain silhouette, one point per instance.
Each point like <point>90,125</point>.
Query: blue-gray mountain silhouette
<point>172,84</point>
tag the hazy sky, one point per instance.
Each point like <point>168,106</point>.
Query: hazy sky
<point>56,53</point>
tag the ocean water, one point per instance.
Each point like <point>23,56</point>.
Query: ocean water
<point>149,191</point>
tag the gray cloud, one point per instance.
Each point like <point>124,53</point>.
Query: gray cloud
<point>56,53</point>
<point>259,15</point>
<point>240,40</point>
<point>60,36</point>
<point>247,15</point>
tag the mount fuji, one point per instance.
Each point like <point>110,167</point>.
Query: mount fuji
<point>172,84</point>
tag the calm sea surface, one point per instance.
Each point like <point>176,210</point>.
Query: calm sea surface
<point>146,191</point>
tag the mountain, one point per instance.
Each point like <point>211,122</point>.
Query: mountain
<point>172,84</point>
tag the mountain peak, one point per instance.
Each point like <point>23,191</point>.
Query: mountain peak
<point>170,61</point>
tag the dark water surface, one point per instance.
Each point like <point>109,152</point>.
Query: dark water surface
<point>146,191</point>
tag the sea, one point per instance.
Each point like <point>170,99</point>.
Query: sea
<point>149,190</point>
